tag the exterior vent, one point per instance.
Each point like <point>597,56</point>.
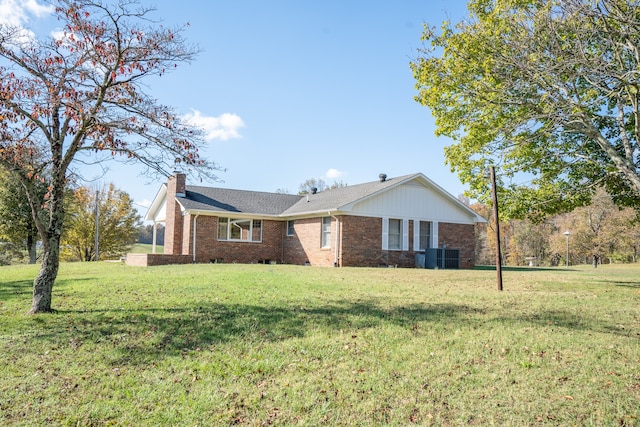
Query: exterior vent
<point>314,190</point>
<point>383,177</point>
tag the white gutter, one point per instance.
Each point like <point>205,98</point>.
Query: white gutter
<point>336,256</point>
<point>195,220</point>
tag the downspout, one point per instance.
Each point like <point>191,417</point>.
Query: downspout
<point>195,220</point>
<point>336,256</point>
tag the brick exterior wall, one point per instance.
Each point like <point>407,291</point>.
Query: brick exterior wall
<point>360,240</point>
<point>305,245</point>
<point>173,236</point>
<point>149,260</point>
<point>459,236</point>
<point>362,244</point>
<point>210,249</point>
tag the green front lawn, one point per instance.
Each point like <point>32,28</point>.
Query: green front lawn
<point>286,345</point>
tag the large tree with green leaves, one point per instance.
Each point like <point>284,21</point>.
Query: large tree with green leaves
<point>111,212</point>
<point>548,91</point>
<point>16,218</point>
<point>80,96</point>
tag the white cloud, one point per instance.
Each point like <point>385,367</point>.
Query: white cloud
<point>145,203</point>
<point>223,127</point>
<point>17,12</point>
<point>58,34</point>
<point>334,174</point>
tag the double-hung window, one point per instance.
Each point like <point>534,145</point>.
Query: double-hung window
<point>290,228</point>
<point>425,235</point>
<point>395,234</point>
<point>240,229</point>
<point>326,232</point>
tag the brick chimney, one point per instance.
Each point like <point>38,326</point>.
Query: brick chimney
<point>176,187</point>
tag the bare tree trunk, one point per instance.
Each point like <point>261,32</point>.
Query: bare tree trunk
<point>50,234</point>
<point>43,283</point>
<point>31,248</point>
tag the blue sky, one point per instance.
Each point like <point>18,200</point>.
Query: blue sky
<point>289,90</point>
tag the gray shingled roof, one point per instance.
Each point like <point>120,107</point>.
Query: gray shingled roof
<point>338,197</point>
<point>261,203</point>
<point>238,201</point>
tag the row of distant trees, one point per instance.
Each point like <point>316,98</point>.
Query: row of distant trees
<point>146,234</point>
<point>110,209</point>
<point>599,232</point>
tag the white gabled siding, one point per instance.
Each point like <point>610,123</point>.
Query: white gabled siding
<point>413,200</point>
<point>161,213</point>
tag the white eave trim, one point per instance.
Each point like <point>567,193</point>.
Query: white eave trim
<point>226,214</point>
<point>157,203</point>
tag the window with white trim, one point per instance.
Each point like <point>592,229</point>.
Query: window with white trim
<point>425,235</point>
<point>326,232</point>
<point>290,228</point>
<point>395,234</point>
<point>240,229</point>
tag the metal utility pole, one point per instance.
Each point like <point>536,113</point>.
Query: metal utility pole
<point>567,234</point>
<point>97,222</point>
<point>494,195</point>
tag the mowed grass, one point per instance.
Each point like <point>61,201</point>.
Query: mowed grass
<point>144,248</point>
<point>286,345</point>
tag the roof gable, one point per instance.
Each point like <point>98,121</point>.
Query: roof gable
<point>349,199</point>
<point>342,197</point>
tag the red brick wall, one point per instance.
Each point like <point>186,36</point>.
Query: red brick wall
<point>362,243</point>
<point>187,228</point>
<point>305,245</point>
<point>148,260</point>
<point>174,222</point>
<point>459,236</point>
<point>210,249</point>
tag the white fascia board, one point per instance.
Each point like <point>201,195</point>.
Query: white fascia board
<point>152,212</point>
<point>225,214</point>
<point>314,214</point>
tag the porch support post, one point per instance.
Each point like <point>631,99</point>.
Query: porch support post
<point>155,237</point>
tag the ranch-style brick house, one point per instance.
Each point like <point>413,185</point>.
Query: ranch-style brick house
<point>380,223</point>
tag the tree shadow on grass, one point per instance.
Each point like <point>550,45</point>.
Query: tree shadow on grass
<point>521,268</point>
<point>570,320</point>
<point>145,335</point>
<point>17,289</point>
<point>626,284</point>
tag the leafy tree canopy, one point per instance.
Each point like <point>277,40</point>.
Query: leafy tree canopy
<point>317,185</point>
<point>548,91</point>
<point>16,218</point>
<point>79,96</point>
<point>118,224</point>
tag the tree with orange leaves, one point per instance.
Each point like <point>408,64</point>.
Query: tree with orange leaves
<point>79,96</point>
